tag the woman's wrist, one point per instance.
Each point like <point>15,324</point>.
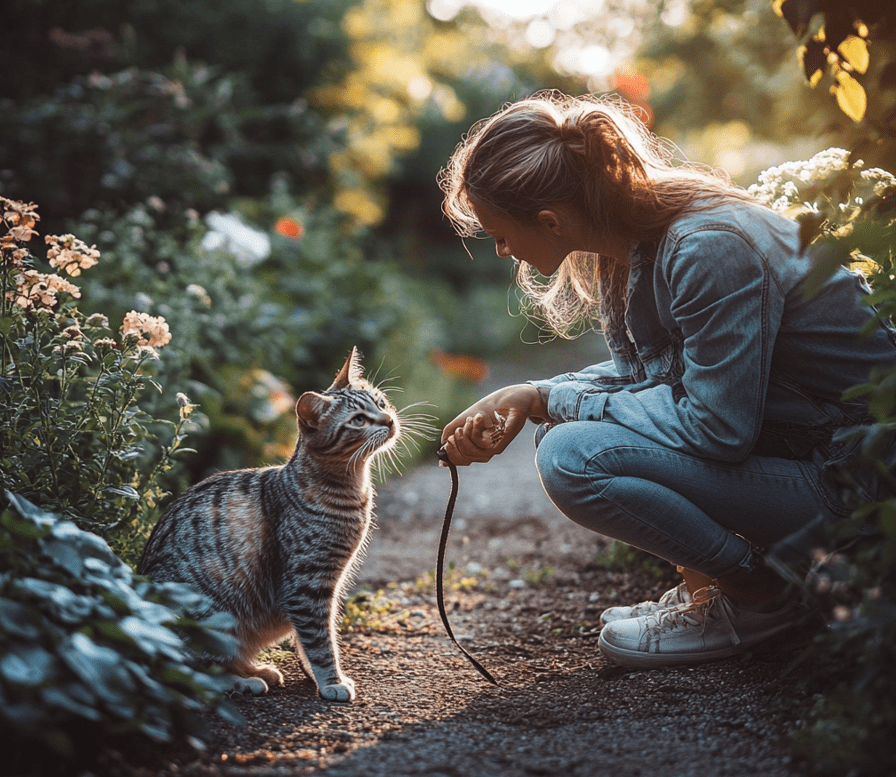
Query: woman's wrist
<point>538,411</point>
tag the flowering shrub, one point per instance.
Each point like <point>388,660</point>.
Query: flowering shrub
<point>838,202</point>
<point>87,651</point>
<point>848,216</point>
<point>72,437</point>
<point>241,305</point>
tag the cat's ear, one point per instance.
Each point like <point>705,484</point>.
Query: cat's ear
<point>352,371</point>
<point>310,407</point>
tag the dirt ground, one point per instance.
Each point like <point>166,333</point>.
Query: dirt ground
<point>524,598</point>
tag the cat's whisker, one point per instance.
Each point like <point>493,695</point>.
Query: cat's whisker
<point>422,403</point>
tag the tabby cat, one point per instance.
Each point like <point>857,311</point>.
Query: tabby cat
<point>275,547</point>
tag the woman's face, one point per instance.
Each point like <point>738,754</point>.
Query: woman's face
<point>543,243</point>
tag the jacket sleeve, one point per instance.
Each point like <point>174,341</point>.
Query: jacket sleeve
<point>728,308</point>
<point>604,373</point>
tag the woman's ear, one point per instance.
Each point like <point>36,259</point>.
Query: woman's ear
<point>552,219</point>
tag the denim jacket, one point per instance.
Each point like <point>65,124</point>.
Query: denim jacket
<point>722,355</point>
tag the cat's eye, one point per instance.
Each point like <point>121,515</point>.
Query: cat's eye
<point>358,420</point>
<point>382,404</point>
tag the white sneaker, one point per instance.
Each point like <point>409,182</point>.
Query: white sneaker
<point>672,598</point>
<point>709,628</point>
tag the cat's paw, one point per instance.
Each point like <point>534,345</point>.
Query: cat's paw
<point>269,673</point>
<point>344,691</point>
<point>263,678</point>
<point>252,686</point>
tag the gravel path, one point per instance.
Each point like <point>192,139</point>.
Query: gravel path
<point>524,597</point>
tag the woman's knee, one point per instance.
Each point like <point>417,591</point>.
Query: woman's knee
<point>562,459</point>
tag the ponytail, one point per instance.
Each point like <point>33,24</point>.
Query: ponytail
<point>587,153</point>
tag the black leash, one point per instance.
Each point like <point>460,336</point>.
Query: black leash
<point>440,566</point>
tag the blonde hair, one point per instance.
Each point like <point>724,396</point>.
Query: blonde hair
<point>588,153</point>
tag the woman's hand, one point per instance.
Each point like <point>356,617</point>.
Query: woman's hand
<point>477,434</point>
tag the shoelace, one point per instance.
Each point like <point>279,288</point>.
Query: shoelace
<point>440,566</point>
<point>706,604</point>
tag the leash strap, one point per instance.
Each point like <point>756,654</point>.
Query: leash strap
<point>440,567</point>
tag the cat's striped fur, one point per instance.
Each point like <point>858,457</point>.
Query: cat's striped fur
<point>275,547</point>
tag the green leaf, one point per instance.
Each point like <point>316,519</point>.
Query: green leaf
<point>36,523</point>
<point>810,227</point>
<point>98,666</point>
<point>827,257</point>
<point>19,619</point>
<point>28,665</point>
<point>126,491</point>
<point>61,697</point>
<point>228,712</point>
<point>857,391</point>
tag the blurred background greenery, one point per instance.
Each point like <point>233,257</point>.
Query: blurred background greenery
<point>262,172</point>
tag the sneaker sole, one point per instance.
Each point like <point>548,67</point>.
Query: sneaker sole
<point>640,660</point>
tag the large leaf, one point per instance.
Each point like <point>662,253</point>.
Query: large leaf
<point>63,698</point>
<point>28,665</point>
<point>34,522</point>
<point>798,14</point>
<point>101,668</point>
<point>851,97</point>
<point>62,602</point>
<point>19,619</point>
<point>827,257</point>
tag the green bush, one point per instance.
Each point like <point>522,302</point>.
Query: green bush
<point>192,103</point>
<point>849,217</point>
<point>88,652</point>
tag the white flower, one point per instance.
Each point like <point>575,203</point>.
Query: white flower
<point>227,232</point>
<point>199,292</point>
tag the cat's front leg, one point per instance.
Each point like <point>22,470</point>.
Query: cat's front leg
<point>317,637</point>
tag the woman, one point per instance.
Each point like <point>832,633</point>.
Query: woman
<point>708,437</point>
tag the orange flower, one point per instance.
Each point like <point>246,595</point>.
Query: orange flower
<point>459,365</point>
<point>632,85</point>
<point>289,228</point>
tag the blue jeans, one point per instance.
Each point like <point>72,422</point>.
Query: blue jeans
<point>694,512</point>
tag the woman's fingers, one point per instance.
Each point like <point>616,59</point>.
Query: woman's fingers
<point>464,445</point>
<point>487,427</point>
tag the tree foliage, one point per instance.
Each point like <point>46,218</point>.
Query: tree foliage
<point>851,47</point>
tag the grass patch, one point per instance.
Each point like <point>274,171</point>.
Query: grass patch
<point>621,557</point>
